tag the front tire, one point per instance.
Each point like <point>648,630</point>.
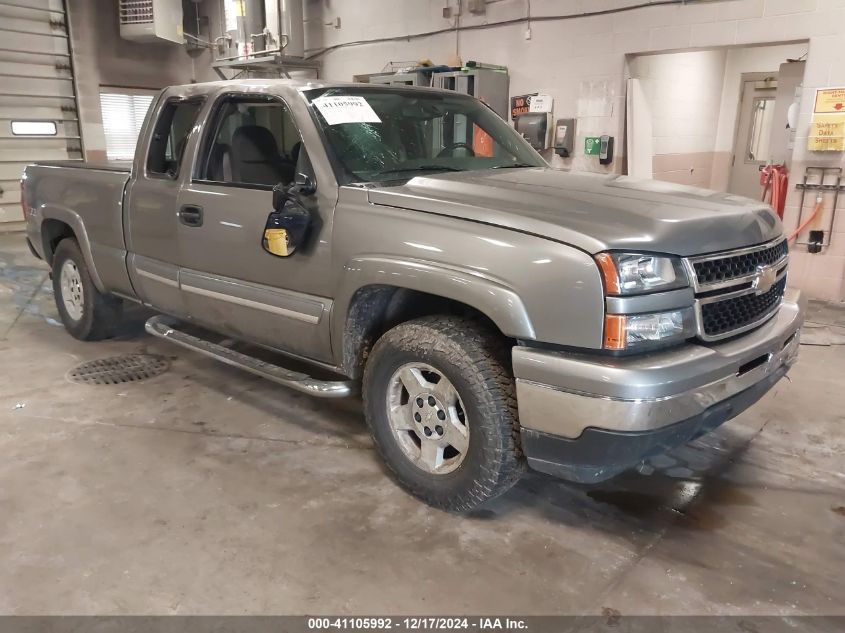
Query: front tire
<point>86,313</point>
<point>439,401</point>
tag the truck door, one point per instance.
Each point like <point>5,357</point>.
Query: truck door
<point>251,143</point>
<point>150,211</point>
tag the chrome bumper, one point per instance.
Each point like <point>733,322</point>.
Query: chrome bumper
<point>564,394</point>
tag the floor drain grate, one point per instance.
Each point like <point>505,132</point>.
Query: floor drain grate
<point>119,369</point>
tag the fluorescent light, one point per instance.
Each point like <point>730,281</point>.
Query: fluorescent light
<point>34,128</point>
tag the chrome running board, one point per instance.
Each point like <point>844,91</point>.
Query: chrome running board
<point>166,328</point>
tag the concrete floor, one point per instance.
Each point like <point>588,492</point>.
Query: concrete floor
<point>206,490</point>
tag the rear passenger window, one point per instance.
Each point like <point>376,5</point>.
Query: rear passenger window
<point>253,143</point>
<point>170,136</point>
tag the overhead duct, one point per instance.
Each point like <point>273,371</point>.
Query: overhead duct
<point>292,28</point>
<point>264,37</point>
<point>254,27</point>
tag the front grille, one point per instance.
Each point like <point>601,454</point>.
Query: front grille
<point>721,317</point>
<point>712,271</point>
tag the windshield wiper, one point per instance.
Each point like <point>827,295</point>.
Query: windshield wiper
<point>421,168</point>
<point>513,166</point>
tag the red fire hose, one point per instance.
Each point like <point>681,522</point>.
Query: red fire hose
<point>805,223</point>
<point>775,180</point>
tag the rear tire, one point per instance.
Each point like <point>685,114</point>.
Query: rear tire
<point>86,313</point>
<point>440,403</point>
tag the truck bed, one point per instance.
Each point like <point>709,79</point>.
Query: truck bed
<point>88,199</point>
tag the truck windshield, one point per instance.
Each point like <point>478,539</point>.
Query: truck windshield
<point>383,134</point>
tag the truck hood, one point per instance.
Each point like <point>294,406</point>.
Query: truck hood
<point>594,212</point>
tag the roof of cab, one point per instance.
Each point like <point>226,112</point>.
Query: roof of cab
<point>209,87</point>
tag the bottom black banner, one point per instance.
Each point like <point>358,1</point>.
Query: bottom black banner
<point>608,623</point>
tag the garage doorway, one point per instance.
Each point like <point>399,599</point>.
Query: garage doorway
<point>711,118</point>
<point>38,114</point>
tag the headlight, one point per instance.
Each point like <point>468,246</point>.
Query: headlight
<point>629,331</point>
<point>633,273</point>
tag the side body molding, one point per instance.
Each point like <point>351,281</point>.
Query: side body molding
<point>501,304</point>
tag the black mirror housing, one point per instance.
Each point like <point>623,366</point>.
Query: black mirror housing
<point>304,184</point>
<point>280,196</point>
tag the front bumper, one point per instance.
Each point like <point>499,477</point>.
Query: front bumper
<point>588,418</point>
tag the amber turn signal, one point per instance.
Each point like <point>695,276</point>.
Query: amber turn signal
<point>608,272</point>
<point>614,331</point>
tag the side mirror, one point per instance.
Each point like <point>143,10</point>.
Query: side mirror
<point>287,226</point>
<point>303,185</point>
<point>280,196</point>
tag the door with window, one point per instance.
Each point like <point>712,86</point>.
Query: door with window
<point>151,212</point>
<point>230,283</point>
<point>752,146</point>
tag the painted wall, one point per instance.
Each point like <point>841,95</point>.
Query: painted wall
<point>684,93</point>
<point>581,62</point>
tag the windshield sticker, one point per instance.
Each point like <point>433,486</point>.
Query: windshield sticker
<point>337,110</point>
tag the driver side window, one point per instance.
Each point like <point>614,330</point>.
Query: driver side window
<point>254,143</point>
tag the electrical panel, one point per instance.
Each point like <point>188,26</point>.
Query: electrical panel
<point>151,20</point>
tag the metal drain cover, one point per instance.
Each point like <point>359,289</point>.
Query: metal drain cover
<point>119,369</point>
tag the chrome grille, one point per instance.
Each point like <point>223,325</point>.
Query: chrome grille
<point>726,268</point>
<point>719,317</point>
<point>738,290</point>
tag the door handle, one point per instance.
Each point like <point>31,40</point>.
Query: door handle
<point>190,215</point>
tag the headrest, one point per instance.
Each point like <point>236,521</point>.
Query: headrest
<point>254,143</point>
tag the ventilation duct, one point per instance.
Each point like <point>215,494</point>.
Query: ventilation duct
<point>151,20</point>
<point>256,27</point>
<point>292,28</point>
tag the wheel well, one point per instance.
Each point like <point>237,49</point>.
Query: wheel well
<point>53,232</point>
<point>376,309</point>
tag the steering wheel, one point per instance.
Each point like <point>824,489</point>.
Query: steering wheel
<point>449,150</point>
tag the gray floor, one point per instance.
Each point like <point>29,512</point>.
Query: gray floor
<point>205,490</point>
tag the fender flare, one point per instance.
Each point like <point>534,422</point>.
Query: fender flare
<point>74,221</point>
<point>490,297</point>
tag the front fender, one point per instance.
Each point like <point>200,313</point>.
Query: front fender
<point>493,299</point>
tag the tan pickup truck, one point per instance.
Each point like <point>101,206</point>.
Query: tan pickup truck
<point>496,313</point>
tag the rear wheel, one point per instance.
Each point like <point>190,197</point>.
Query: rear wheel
<point>86,313</point>
<point>440,403</point>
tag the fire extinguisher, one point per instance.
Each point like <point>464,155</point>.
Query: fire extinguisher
<point>774,179</point>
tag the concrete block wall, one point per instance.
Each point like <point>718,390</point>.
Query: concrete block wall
<point>582,63</point>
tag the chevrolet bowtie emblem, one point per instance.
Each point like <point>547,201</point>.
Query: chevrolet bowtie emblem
<point>764,279</point>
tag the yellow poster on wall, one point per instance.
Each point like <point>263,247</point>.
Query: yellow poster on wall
<point>827,133</point>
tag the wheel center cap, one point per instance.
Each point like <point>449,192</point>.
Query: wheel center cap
<point>429,415</point>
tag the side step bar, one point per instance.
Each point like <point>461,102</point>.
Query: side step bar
<point>165,327</point>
